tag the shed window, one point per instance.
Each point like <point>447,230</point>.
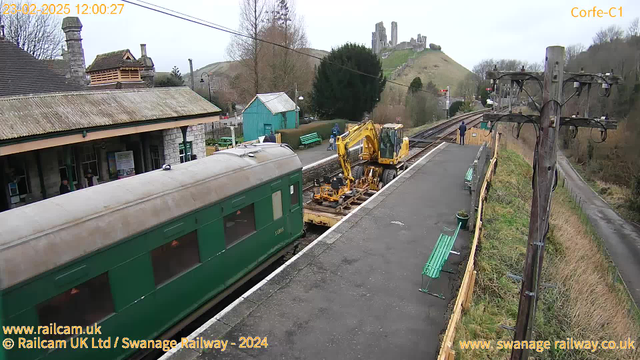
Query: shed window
<point>293,191</point>
<point>239,225</point>
<point>175,257</point>
<point>82,305</point>
<point>276,201</point>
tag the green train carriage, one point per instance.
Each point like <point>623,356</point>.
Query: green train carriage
<point>138,255</point>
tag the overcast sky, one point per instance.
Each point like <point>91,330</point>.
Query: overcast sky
<point>468,30</point>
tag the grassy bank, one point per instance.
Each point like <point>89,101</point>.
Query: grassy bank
<point>616,195</point>
<point>586,304</point>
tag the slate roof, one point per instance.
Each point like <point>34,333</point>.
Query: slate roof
<point>59,66</point>
<point>276,102</point>
<point>24,116</point>
<point>113,60</point>
<point>21,73</point>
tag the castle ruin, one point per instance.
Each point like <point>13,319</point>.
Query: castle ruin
<point>379,41</point>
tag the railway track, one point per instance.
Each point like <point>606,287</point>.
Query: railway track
<point>443,132</point>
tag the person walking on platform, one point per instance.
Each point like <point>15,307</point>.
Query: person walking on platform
<point>463,130</point>
<point>332,143</point>
<point>336,130</point>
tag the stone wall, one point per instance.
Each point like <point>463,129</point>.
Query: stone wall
<point>173,138</point>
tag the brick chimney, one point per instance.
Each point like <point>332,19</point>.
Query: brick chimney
<point>147,74</point>
<point>74,54</point>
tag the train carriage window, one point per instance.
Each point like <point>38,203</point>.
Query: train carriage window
<point>238,225</point>
<point>276,200</point>
<point>293,190</point>
<point>175,257</point>
<point>82,305</point>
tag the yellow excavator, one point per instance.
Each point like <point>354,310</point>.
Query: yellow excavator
<point>383,153</point>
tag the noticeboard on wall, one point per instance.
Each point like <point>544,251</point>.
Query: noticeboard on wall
<point>124,164</point>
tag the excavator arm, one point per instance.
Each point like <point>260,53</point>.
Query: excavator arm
<point>367,132</point>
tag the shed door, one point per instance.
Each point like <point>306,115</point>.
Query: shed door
<point>267,129</point>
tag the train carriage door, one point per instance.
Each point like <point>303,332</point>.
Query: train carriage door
<point>294,220</point>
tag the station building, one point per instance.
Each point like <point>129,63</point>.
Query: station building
<point>56,123</point>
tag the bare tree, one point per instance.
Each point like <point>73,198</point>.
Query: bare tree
<point>482,67</point>
<point>247,50</point>
<point>572,52</point>
<point>467,87</point>
<point>610,34</point>
<point>286,68</point>
<point>634,28</point>
<point>534,66</point>
<point>39,35</point>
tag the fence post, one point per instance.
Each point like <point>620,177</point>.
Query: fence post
<point>467,300</point>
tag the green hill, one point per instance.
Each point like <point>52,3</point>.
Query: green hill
<point>429,65</point>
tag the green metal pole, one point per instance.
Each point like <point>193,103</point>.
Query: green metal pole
<point>184,141</point>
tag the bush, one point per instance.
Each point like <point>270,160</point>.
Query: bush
<point>433,46</point>
<point>323,128</point>
<point>455,107</point>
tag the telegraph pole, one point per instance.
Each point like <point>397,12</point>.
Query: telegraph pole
<point>543,182</point>
<point>546,127</point>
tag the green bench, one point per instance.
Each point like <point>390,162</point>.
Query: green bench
<point>310,139</point>
<point>438,257</point>
<point>468,178</point>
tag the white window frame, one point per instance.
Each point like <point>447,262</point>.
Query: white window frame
<point>276,202</point>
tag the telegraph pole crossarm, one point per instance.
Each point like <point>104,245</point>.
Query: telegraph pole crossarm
<point>564,120</point>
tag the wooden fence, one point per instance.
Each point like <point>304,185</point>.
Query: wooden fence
<point>465,293</point>
<point>474,136</point>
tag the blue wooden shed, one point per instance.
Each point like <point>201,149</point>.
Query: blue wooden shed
<point>266,113</point>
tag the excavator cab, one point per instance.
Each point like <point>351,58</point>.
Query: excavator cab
<point>391,142</point>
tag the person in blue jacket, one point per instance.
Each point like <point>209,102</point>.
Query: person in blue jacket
<point>463,130</point>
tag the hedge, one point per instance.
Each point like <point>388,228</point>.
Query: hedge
<point>323,128</point>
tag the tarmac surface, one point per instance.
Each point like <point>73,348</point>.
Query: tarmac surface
<point>621,238</point>
<point>353,292</point>
<point>315,153</point>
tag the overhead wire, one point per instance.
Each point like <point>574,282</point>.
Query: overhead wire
<point>209,24</point>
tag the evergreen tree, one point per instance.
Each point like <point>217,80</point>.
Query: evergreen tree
<point>416,85</point>
<point>175,72</point>
<point>342,93</point>
<point>174,79</point>
<point>431,88</point>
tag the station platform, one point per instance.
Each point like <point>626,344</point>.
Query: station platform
<point>314,153</point>
<point>353,292</point>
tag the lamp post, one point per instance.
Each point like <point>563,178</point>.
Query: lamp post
<point>297,97</point>
<point>208,83</point>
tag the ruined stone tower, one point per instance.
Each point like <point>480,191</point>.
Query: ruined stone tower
<point>74,54</point>
<point>379,38</point>
<point>394,33</point>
